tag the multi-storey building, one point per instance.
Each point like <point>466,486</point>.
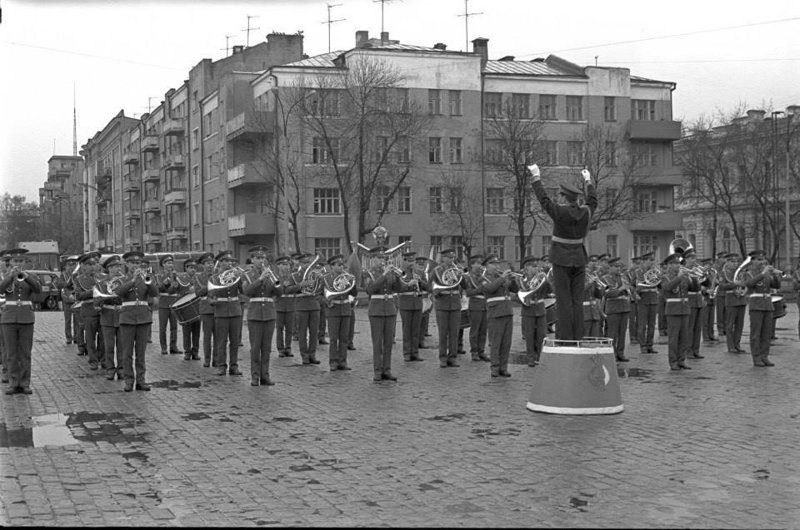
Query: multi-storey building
<point>462,92</point>
<point>61,202</point>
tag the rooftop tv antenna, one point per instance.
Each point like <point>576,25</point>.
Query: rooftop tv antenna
<point>227,48</point>
<point>466,16</point>
<point>74,123</point>
<point>249,29</point>
<point>383,3</point>
<point>329,22</point>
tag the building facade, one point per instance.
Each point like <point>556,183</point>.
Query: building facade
<point>61,202</point>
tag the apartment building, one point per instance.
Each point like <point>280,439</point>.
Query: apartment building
<point>60,200</point>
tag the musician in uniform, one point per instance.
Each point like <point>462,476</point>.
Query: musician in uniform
<point>696,304</point>
<point>227,314</point>
<point>617,306</point>
<point>284,307</point>
<point>63,284</point>
<point>499,313</point>
<point>135,318</point>
<point>534,312</point>
<point>675,285</point>
<point>306,309</point>
<point>478,321</point>
<point>567,253</point>
<point>735,304</point>
<point>760,278</point>
<point>646,305</point>
<point>109,308</point>
<point>90,316</point>
<point>710,299</point>
<point>187,284</point>
<point>17,321</point>
<point>382,285</point>
<point>630,276</point>
<point>297,268</point>
<point>262,286</point>
<point>410,305</point>
<point>447,301</point>
<point>421,268</point>
<point>167,295</point>
<point>722,259</point>
<point>205,308</point>
<point>340,286</point>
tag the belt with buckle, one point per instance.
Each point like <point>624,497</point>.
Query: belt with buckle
<point>383,296</point>
<point>497,299</point>
<point>677,299</point>
<point>18,302</point>
<point>228,299</point>
<point>262,299</point>
<point>134,303</point>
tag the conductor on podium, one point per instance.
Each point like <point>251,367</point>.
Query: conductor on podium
<point>567,253</point>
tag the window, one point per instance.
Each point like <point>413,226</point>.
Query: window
<point>611,154</point>
<point>546,242</point>
<point>382,202</point>
<point>436,199</point>
<point>326,201</point>
<point>454,97</point>
<point>727,242</point>
<point>547,107</point>
<point>574,108</point>
<point>548,154</point>
<point>455,151</point>
<point>401,150</point>
<point>520,106</point>
<point>382,99</point>
<point>492,104</point>
<point>609,109</point>
<point>611,246</point>
<point>403,239</point>
<point>645,201</point>
<point>402,99</point>
<point>457,243</point>
<point>196,213</point>
<point>436,244</point>
<point>325,102</point>
<point>494,201</point>
<point>404,199</point>
<point>195,176</point>
<point>496,245</point>
<point>381,149</point>
<point>644,154</point>
<point>207,121</point>
<point>320,153</point>
<point>610,196</point>
<point>327,246</point>
<point>642,244</point>
<point>195,139</point>
<point>456,196</point>
<point>494,152</point>
<point>435,150</point>
<point>643,109</point>
<point>528,248</point>
<point>434,101</point>
<point>574,153</point>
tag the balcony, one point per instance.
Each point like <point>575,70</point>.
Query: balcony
<point>658,176</point>
<point>59,174</point>
<point>104,219</point>
<point>153,205</point>
<point>250,224</point>
<point>655,130</point>
<point>660,221</point>
<point>133,213</point>
<point>174,126</point>
<point>151,175</point>
<point>103,176</point>
<point>131,184</point>
<point>152,237</point>
<point>249,124</point>
<point>176,196</point>
<point>130,157</point>
<point>150,143</point>
<point>244,175</point>
<point>174,162</point>
<point>177,233</point>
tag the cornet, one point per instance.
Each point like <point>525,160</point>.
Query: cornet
<point>267,273</point>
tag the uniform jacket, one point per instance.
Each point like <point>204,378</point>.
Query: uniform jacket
<point>338,305</point>
<point>646,295</point>
<point>569,222</point>
<point>696,292</point>
<point>447,299</point>
<point>305,301</point>
<point>262,295</point>
<point>676,292</point>
<point>759,289</point>
<point>537,307</point>
<point>84,292</point>
<point>472,283</point>
<point>135,290</point>
<point>109,307</point>
<point>591,300</point>
<point>500,288</point>
<point>201,290</point>
<point>167,289</point>
<point>229,307</point>
<point>382,289</point>
<point>411,300</point>
<point>616,299</point>
<point>19,291</point>
<point>732,296</point>
<point>64,284</point>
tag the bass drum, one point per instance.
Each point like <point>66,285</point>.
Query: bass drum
<point>187,309</point>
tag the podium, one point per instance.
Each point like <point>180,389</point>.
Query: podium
<point>576,377</point>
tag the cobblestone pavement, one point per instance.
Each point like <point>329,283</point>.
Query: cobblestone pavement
<point>712,447</point>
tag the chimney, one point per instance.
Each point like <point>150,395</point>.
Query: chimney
<point>384,37</point>
<point>361,38</point>
<point>480,46</point>
<point>756,114</point>
<point>507,58</point>
<point>792,110</point>
<point>440,46</point>
<point>237,49</point>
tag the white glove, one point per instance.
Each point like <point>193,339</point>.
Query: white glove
<point>586,175</point>
<point>534,169</point>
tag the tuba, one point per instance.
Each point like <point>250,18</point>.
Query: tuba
<point>227,278</point>
<point>449,278</point>
<point>738,276</point>
<point>679,246</point>
<point>532,285</point>
<point>340,285</point>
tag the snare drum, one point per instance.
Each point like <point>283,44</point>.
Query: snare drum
<point>550,310</point>
<point>778,306</point>
<point>187,309</point>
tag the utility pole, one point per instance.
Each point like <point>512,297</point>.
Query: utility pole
<point>466,16</point>
<point>788,227</point>
<point>74,123</point>
<point>227,48</point>
<point>249,29</point>
<point>329,22</point>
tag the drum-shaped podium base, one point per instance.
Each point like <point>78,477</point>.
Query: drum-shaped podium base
<point>576,377</point>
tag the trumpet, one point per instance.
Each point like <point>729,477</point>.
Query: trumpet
<point>390,267</point>
<point>594,278</point>
<point>267,273</point>
<point>698,271</point>
<point>21,275</point>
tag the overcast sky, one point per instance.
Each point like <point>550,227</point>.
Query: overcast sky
<point>125,54</point>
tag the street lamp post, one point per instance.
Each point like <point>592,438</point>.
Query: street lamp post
<point>775,180</point>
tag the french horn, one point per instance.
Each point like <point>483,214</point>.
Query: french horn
<point>531,285</point>
<point>448,279</point>
<point>105,289</point>
<point>341,284</point>
<point>651,277</point>
<point>227,278</point>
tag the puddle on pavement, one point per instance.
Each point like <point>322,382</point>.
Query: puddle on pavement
<point>447,417</point>
<point>68,429</point>
<point>171,384</point>
<point>636,373</point>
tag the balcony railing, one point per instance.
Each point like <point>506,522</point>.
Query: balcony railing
<point>176,196</point>
<point>250,224</point>
<point>174,126</point>
<point>249,123</point>
<point>151,175</point>
<point>174,162</point>
<point>658,176</point>
<point>245,174</point>
<point>659,221</point>
<point>150,143</point>
<point>131,184</point>
<point>152,237</point>
<point>177,233</point>
<point>152,205</point>
<point>655,130</point>
<point>130,157</point>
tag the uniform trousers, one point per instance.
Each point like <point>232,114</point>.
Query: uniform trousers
<point>760,335</point>
<point>307,329</point>
<point>227,329</point>
<point>707,316</point>
<point>191,338</point>
<point>478,329</point>
<point>165,315</point>
<point>448,323</point>
<point>94,337</point>
<point>695,330</point>
<point>71,328</point>
<point>352,331</point>
<point>134,342</point>
<point>568,286</point>
<point>323,320</point>
<point>721,318</point>
<point>677,338</point>
<point>646,324</point>
<point>500,329</point>
<point>338,335</point>
<point>382,330</point>
<point>284,324</point>
<point>617,326</point>
<point>734,325</point>
<point>534,331</point>
<point>18,344</point>
<point>80,336</point>
<point>112,359</point>
<point>412,327</point>
<point>3,357</point>
<point>209,345</point>
<point>591,328</point>
<point>633,325</point>
<point>260,333</point>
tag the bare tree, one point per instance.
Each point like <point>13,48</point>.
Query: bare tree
<point>18,220</point>
<point>463,213</point>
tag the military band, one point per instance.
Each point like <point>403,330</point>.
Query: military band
<point>759,279</point>
<point>205,309</point>
<point>618,293</point>
<point>89,314</point>
<point>223,294</point>
<point>339,291</point>
<point>478,321</point>
<point>17,322</point>
<point>262,286</point>
<point>109,305</point>
<point>410,303</point>
<point>535,288</point>
<point>167,295</point>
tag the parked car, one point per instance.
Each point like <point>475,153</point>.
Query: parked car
<point>50,296</point>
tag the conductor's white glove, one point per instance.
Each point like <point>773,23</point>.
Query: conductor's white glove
<point>534,169</point>
<point>586,175</point>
